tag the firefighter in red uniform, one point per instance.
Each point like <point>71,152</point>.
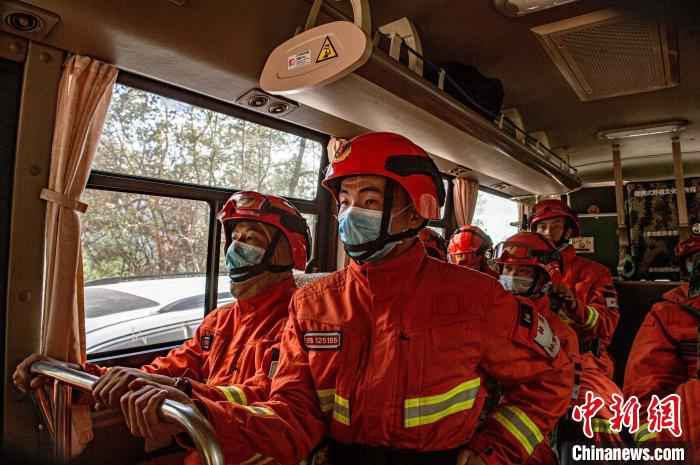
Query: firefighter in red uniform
<point>530,267</point>
<point>471,247</point>
<point>265,237</point>
<point>434,243</point>
<point>388,356</point>
<point>664,356</point>
<point>587,292</point>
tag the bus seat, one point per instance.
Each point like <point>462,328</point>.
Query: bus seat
<point>635,299</point>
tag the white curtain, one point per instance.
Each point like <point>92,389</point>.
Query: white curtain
<point>84,94</point>
<point>465,193</point>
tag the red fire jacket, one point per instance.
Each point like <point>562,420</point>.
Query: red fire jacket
<point>588,377</point>
<point>664,360</point>
<point>596,296</point>
<point>395,354</point>
<point>230,357</point>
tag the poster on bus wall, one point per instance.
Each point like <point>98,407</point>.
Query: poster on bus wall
<point>653,219</point>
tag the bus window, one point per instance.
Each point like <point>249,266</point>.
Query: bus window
<point>162,169</point>
<point>494,214</point>
<point>158,137</point>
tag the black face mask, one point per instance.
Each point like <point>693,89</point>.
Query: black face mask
<point>694,278</point>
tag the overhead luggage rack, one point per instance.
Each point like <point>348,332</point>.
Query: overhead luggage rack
<point>363,84</point>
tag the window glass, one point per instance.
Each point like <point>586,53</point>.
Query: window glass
<point>494,214</point>
<point>153,136</point>
<point>446,183</point>
<point>144,260</point>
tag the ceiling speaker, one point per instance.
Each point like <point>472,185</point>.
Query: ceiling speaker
<point>25,20</point>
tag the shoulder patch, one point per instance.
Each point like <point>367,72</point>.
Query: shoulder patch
<point>546,338</point>
<point>205,341</point>
<point>323,340</point>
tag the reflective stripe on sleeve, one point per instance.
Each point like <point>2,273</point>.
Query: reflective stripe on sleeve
<point>643,434</point>
<point>520,426</point>
<point>234,394</point>
<point>425,410</point>
<point>341,409</point>
<point>257,459</point>
<point>592,319</point>
<point>257,410</point>
<point>326,399</point>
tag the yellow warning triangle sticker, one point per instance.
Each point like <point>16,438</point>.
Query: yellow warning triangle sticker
<point>327,51</point>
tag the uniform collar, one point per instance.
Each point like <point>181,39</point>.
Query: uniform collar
<point>387,274</point>
<point>679,295</point>
<point>278,293</point>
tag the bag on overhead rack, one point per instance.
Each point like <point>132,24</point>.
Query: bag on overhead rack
<point>467,85</point>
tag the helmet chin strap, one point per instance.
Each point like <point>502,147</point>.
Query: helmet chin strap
<point>370,248</point>
<point>244,273</point>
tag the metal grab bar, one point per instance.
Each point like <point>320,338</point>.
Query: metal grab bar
<point>196,425</point>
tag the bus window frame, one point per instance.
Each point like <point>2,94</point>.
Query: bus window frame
<point>215,197</point>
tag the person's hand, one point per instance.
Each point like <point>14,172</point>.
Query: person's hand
<point>115,383</point>
<point>468,457</point>
<point>140,406</point>
<point>25,380</point>
<point>568,299</point>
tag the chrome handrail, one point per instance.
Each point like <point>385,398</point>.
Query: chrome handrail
<point>196,425</point>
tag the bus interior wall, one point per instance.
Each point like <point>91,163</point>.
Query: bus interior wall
<point>10,91</point>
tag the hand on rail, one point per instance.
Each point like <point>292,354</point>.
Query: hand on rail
<point>25,380</point>
<point>140,407</point>
<point>115,383</point>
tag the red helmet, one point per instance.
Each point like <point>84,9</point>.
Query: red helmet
<point>553,208</point>
<point>394,157</point>
<point>688,247</point>
<point>469,239</point>
<point>530,249</point>
<point>434,243</point>
<point>271,210</point>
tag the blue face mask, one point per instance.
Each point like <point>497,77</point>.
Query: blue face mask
<point>240,254</point>
<point>516,284</point>
<point>359,226</point>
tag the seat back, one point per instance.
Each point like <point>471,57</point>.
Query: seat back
<point>635,299</point>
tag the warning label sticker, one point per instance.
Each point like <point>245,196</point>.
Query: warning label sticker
<point>327,51</point>
<point>299,59</point>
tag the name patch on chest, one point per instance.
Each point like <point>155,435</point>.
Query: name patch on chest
<point>323,340</point>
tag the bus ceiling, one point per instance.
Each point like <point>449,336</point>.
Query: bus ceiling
<point>561,103</point>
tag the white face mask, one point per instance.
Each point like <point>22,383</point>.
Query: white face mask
<point>516,284</point>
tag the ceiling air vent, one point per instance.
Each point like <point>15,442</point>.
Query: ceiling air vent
<point>27,21</point>
<point>610,53</point>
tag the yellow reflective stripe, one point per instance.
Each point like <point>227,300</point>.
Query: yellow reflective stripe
<point>520,426</point>
<point>341,409</point>
<point>643,434</point>
<point>592,319</point>
<point>257,459</point>
<point>425,410</point>
<point>418,401</point>
<point>252,460</point>
<point>234,394</point>
<point>325,398</point>
<point>259,410</point>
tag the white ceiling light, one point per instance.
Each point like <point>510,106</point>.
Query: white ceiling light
<point>666,127</point>
<point>526,7</point>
